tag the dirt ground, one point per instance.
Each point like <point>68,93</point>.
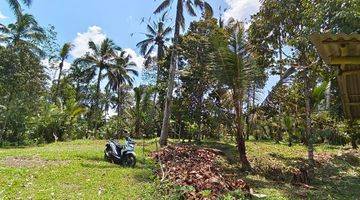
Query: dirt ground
<point>28,162</point>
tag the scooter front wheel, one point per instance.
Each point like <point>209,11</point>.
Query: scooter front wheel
<point>107,155</point>
<point>129,160</point>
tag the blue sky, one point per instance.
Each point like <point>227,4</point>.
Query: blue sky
<point>77,21</point>
<point>118,19</point>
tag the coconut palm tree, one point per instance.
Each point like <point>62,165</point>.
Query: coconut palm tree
<point>102,57</point>
<point>64,54</point>
<point>235,71</point>
<point>120,73</point>
<point>142,95</point>
<point>156,36</point>
<point>190,6</point>
<point>24,32</point>
<point>81,75</point>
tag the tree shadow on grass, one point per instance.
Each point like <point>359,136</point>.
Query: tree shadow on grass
<point>144,176</point>
<point>332,178</point>
<point>229,151</point>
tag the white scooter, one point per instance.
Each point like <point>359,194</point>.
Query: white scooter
<point>121,154</point>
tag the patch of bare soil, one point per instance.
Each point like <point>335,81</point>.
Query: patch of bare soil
<point>29,162</point>
<point>196,167</point>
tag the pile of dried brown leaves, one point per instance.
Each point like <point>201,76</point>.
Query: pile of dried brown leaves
<point>192,166</point>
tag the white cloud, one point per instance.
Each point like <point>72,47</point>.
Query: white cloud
<point>2,16</point>
<point>241,9</point>
<point>136,58</point>
<point>94,33</point>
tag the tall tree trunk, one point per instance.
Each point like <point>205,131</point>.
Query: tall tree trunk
<point>248,114</point>
<point>118,108</point>
<point>253,96</point>
<point>171,83</point>
<point>240,140</point>
<point>268,100</point>
<point>59,79</point>
<point>198,114</point>
<point>328,97</point>
<point>138,119</point>
<point>308,126</point>
<point>160,55</point>
<point>95,110</point>
<point>281,66</point>
<point>98,88</point>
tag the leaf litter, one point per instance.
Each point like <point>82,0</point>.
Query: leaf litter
<point>186,165</point>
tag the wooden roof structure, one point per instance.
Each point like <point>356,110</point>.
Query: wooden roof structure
<point>343,51</point>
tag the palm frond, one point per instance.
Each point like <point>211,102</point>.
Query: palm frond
<point>163,17</point>
<point>151,49</point>
<point>151,30</point>
<point>167,31</point>
<point>165,4</point>
<point>65,50</point>
<point>93,47</point>
<point>180,15</point>
<point>4,29</point>
<point>189,8</point>
<point>208,9</point>
<point>199,4</point>
<point>27,2</point>
<point>15,6</point>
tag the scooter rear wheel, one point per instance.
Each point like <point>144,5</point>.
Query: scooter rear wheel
<point>129,160</point>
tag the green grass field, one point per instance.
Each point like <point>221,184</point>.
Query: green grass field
<point>76,170</point>
<point>73,170</point>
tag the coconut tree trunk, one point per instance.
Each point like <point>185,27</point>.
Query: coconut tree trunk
<point>248,114</point>
<point>240,140</point>
<point>118,108</point>
<point>160,55</point>
<point>138,118</point>
<point>97,98</point>
<point>281,66</point>
<point>308,127</point>
<point>59,78</point>
<point>95,111</point>
<point>171,83</point>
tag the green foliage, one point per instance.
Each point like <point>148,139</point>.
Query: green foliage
<point>142,114</point>
<point>55,123</point>
<point>22,83</point>
<point>222,69</point>
<point>118,69</point>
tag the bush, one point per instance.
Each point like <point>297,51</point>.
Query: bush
<point>56,123</point>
